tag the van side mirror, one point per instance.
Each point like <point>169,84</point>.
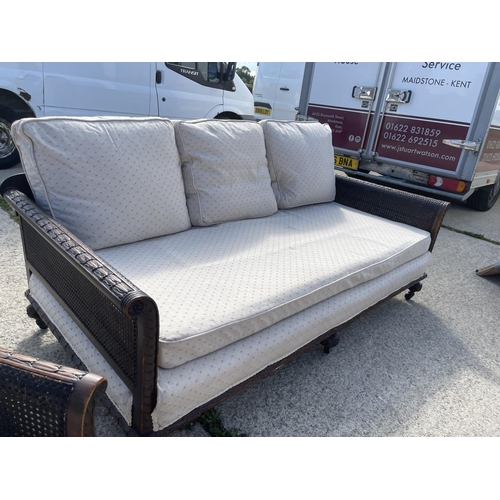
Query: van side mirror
<point>221,71</point>
<point>214,71</point>
<point>230,71</point>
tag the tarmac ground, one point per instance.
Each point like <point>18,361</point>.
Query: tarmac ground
<point>425,367</point>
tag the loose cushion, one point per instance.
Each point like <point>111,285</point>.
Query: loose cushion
<point>217,285</point>
<point>110,181</point>
<point>301,163</point>
<point>225,170</point>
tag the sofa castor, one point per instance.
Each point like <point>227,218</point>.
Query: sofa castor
<point>412,290</point>
<point>330,342</point>
<point>31,312</point>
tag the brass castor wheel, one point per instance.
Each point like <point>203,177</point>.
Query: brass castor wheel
<point>330,342</point>
<point>412,290</point>
<point>31,312</point>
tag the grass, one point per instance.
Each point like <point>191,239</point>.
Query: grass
<point>472,235</point>
<point>212,424</point>
<point>7,208</point>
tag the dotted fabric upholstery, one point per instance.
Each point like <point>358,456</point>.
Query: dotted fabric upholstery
<point>225,170</point>
<point>193,384</point>
<point>110,181</point>
<point>301,162</point>
<point>117,391</point>
<point>197,382</point>
<point>216,285</point>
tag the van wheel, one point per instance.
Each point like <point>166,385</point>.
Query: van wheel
<point>9,155</point>
<point>484,198</point>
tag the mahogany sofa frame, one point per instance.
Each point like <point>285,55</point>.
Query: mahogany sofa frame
<point>123,322</point>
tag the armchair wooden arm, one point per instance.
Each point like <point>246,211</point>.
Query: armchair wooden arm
<point>42,399</point>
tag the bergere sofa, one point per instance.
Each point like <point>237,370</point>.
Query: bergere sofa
<point>184,260</point>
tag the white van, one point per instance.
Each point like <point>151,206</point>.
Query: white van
<point>177,90</point>
<point>276,89</point>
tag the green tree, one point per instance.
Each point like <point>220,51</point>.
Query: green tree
<point>246,76</point>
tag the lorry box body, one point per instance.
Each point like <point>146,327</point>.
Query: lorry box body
<point>276,89</point>
<point>433,127</point>
<point>169,89</point>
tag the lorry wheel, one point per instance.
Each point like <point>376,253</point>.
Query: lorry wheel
<point>484,198</point>
<point>9,155</point>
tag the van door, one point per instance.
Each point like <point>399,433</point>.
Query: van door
<point>288,90</point>
<point>103,88</point>
<point>429,104</point>
<point>188,90</point>
<point>264,88</point>
<point>277,89</point>
<point>345,95</point>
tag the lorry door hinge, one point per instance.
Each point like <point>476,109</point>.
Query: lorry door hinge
<point>364,93</point>
<point>468,145</point>
<point>398,96</point>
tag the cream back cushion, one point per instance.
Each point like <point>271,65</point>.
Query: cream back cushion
<point>109,181</point>
<point>225,170</point>
<point>301,162</point>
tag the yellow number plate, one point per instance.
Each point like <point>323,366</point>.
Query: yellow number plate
<point>346,162</point>
<point>263,111</point>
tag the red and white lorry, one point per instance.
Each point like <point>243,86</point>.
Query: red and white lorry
<point>430,126</point>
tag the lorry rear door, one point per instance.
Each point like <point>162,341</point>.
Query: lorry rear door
<point>345,95</point>
<point>429,106</point>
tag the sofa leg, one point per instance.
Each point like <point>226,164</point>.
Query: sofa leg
<point>330,342</point>
<point>31,312</point>
<point>415,288</point>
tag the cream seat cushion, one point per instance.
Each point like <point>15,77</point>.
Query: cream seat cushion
<point>216,285</point>
<point>194,384</point>
<point>301,162</point>
<point>109,181</point>
<point>225,172</point>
